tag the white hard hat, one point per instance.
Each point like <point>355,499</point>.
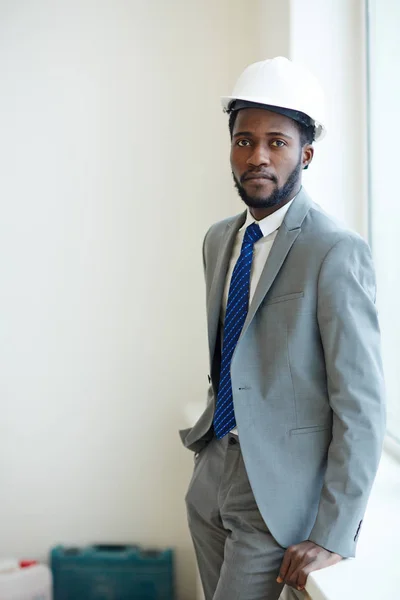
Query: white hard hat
<point>278,82</point>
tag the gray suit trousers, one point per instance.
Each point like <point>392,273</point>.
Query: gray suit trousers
<point>237,556</point>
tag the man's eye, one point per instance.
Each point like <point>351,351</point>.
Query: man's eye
<point>278,143</point>
<point>243,143</point>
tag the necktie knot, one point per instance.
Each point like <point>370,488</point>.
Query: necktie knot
<point>252,234</point>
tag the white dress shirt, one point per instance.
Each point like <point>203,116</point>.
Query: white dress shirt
<point>269,227</point>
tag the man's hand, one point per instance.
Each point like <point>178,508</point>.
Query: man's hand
<point>300,559</point>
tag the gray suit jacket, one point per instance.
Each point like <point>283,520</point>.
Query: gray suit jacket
<point>306,375</point>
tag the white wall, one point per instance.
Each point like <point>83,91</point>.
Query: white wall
<point>114,156</point>
<point>274,28</point>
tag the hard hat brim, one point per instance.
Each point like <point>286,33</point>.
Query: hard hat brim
<point>227,101</point>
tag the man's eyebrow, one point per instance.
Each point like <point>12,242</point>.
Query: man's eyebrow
<point>280,134</point>
<point>275,133</point>
<point>248,133</point>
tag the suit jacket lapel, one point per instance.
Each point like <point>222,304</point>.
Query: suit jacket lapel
<point>218,283</point>
<point>287,234</point>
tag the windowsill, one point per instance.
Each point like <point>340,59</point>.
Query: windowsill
<point>375,573</point>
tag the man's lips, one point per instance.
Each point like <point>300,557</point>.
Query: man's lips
<point>257,177</point>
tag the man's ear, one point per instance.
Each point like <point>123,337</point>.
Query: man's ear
<point>308,153</point>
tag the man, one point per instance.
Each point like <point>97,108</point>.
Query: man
<point>288,446</point>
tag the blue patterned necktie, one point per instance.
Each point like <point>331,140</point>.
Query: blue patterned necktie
<point>236,312</point>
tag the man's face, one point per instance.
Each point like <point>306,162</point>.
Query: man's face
<point>267,158</point>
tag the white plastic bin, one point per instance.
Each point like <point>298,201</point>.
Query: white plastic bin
<point>32,582</point>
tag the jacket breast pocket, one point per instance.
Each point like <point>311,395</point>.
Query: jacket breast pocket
<point>284,298</point>
<point>313,429</point>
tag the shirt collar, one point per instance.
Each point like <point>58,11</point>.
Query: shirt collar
<point>271,223</point>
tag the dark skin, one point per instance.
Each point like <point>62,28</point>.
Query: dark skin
<point>267,144</point>
<point>266,148</point>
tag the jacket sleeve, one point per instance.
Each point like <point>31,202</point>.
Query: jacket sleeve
<point>349,330</point>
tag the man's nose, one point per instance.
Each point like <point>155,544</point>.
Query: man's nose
<point>259,156</point>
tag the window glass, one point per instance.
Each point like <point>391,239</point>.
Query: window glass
<point>383,27</point>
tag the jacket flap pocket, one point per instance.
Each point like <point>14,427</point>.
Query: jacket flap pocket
<point>313,429</point>
<point>283,298</point>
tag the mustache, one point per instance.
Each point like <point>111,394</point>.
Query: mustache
<point>253,174</point>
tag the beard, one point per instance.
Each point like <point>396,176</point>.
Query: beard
<point>280,195</point>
